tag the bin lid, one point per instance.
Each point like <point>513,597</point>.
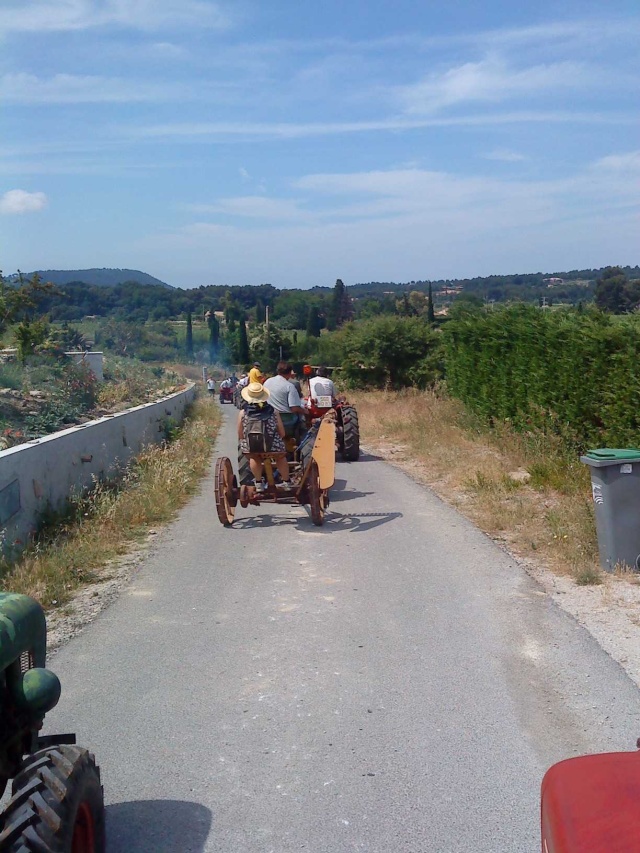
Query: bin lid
<point>613,454</point>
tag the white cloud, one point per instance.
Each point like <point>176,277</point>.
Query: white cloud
<point>292,130</point>
<point>253,207</point>
<point>20,201</point>
<point>629,162</point>
<point>74,89</point>
<point>61,15</point>
<point>491,80</point>
<point>244,174</point>
<point>504,155</point>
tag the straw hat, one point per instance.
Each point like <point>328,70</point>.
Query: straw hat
<point>255,392</point>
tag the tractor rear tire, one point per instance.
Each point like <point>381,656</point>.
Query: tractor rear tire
<point>350,445</point>
<point>57,804</point>
<point>316,495</point>
<point>245,477</point>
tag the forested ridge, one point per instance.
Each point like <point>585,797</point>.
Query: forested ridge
<point>137,299</point>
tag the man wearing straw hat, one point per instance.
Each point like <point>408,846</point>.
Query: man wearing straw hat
<point>260,431</point>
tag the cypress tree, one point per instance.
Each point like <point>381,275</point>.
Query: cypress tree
<point>189,339</point>
<point>261,313</point>
<point>313,322</point>
<point>214,336</point>
<point>431,314</point>
<point>243,343</point>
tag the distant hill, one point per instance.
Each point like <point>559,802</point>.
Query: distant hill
<point>97,277</point>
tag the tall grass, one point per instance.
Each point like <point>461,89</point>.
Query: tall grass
<point>106,522</point>
<point>549,517</point>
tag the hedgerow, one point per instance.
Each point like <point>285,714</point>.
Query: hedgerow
<point>573,372</point>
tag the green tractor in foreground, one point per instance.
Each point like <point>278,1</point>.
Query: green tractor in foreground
<point>56,803</point>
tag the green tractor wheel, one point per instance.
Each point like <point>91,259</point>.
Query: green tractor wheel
<point>57,804</point>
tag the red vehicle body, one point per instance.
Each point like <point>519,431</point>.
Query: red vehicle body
<point>591,804</point>
<point>347,429</point>
<point>226,394</point>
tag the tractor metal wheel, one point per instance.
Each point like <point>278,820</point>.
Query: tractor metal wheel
<point>316,495</point>
<point>226,491</point>
<point>57,804</point>
<point>244,496</point>
<point>350,444</point>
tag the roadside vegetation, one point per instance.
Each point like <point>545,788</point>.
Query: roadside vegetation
<point>114,517</point>
<point>527,490</point>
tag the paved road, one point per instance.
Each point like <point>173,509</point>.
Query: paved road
<point>389,682</point>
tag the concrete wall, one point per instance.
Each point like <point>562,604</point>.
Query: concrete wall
<point>41,474</point>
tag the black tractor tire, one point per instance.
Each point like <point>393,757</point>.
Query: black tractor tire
<point>350,444</point>
<point>57,804</point>
<point>245,477</point>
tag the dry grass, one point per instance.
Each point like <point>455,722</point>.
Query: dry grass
<point>107,522</point>
<point>548,519</point>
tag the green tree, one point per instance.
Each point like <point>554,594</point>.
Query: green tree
<point>392,352</point>
<point>189,337</point>
<point>341,308</point>
<point>28,335</point>
<point>243,343</point>
<point>313,322</point>
<point>611,291</point>
<point>431,313</point>
<point>260,311</point>
<point>214,336</point>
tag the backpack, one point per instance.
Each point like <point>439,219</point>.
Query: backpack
<point>255,429</point>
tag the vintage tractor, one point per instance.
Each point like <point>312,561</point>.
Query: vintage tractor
<point>347,429</point>
<point>56,803</point>
<point>312,467</point>
<point>226,393</point>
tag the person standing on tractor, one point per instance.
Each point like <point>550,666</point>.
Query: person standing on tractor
<point>255,374</point>
<point>284,398</point>
<point>260,431</point>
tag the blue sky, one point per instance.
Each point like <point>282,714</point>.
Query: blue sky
<point>297,142</point>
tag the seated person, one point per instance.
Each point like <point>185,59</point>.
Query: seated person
<point>321,386</point>
<point>260,424</point>
<point>285,399</point>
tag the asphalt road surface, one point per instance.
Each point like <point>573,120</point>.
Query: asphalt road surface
<point>389,682</point>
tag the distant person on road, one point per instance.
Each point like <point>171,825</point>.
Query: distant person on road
<point>255,374</point>
<point>321,386</point>
<point>211,385</point>
<point>260,426</point>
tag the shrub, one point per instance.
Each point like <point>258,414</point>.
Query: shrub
<point>392,352</point>
<point>571,373</point>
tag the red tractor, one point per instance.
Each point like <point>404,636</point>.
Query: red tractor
<point>347,427</point>
<point>226,393</point>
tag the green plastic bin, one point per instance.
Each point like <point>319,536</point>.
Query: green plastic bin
<point>615,484</point>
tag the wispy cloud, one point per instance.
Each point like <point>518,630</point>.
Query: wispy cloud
<point>74,89</point>
<point>253,207</point>
<point>63,15</point>
<point>504,155</point>
<point>629,162</point>
<point>21,201</point>
<point>292,130</point>
<point>492,80</point>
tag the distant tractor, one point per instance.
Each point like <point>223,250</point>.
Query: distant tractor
<point>56,803</point>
